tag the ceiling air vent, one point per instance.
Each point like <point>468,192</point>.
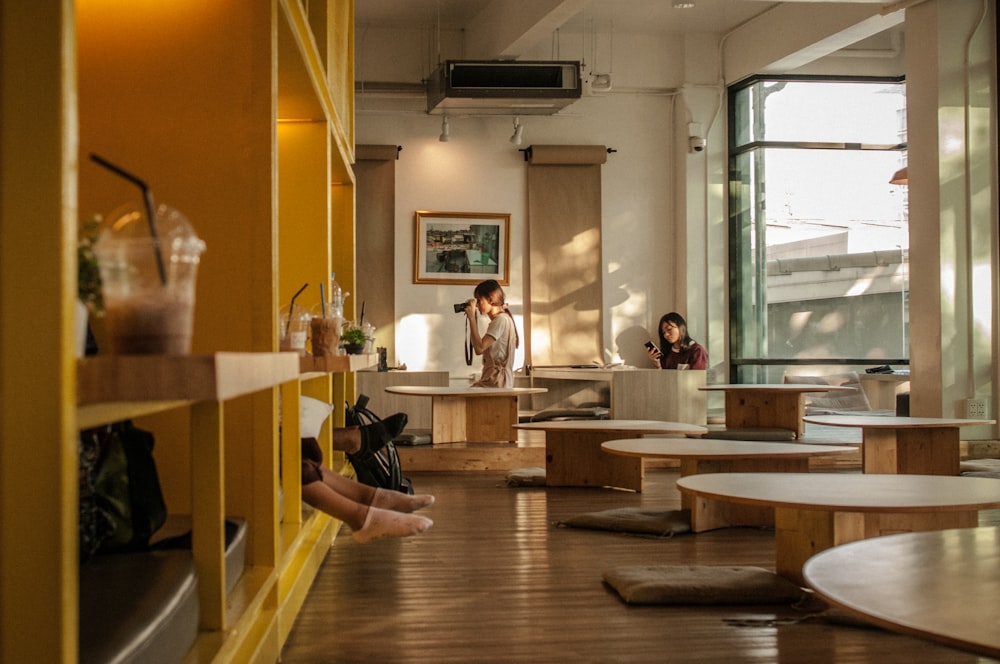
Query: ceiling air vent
<point>503,87</point>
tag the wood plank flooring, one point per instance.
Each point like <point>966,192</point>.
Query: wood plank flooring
<point>495,580</point>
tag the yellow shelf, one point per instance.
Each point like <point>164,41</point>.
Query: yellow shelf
<point>267,240</point>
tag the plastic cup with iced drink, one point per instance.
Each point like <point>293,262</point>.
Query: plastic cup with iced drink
<point>294,332</point>
<point>148,283</point>
<point>325,335</point>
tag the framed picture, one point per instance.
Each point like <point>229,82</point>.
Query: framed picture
<point>461,247</point>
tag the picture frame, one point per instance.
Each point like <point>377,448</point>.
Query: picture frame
<point>461,247</point>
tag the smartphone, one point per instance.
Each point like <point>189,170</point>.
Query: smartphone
<point>651,346</point>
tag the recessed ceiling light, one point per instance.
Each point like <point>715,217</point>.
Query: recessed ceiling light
<point>683,4</point>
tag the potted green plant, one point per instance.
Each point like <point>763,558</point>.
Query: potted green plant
<point>353,339</point>
<point>88,275</point>
<point>90,303</point>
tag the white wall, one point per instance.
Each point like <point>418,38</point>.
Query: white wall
<point>479,170</point>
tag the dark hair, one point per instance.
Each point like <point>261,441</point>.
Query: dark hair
<point>488,290</point>
<point>678,320</point>
<point>491,291</point>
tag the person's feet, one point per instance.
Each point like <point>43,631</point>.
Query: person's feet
<point>401,502</point>
<point>386,523</point>
<point>374,436</point>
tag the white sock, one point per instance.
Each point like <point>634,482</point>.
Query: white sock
<point>401,502</point>
<point>386,523</point>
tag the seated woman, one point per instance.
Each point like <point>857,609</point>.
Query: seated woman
<point>370,512</point>
<point>677,349</point>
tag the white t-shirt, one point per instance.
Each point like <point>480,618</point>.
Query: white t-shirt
<point>498,360</point>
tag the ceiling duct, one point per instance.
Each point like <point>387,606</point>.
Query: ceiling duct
<point>503,87</point>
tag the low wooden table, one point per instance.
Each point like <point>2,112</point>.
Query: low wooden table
<point>816,511</point>
<point>727,456</point>
<point>907,445</point>
<point>462,414</point>
<point>777,405</point>
<point>573,455</point>
<point>940,585</point>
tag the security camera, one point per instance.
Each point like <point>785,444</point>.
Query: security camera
<point>696,143</point>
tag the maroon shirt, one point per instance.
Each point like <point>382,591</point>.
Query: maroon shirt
<point>696,357</point>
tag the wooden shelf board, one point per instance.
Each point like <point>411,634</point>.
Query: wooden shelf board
<point>215,377</point>
<point>336,363</point>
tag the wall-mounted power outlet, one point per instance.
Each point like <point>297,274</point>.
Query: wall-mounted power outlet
<point>975,409</point>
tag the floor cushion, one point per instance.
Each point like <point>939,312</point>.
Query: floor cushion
<point>526,477</point>
<point>660,523</point>
<point>701,584</point>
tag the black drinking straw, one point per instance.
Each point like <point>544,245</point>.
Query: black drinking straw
<point>362,319</point>
<point>147,197</point>
<point>291,308</point>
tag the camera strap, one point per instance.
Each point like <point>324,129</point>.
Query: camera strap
<point>468,343</point>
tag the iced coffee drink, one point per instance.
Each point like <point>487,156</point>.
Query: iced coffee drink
<point>149,284</point>
<point>325,336</point>
<point>143,327</point>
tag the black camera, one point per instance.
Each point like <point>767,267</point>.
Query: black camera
<point>460,307</point>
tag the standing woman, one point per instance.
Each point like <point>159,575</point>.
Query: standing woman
<point>680,351</point>
<point>498,344</point>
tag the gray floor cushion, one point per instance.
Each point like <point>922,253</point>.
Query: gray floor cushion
<point>526,477</point>
<point>660,523</point>
<point>701,584</point>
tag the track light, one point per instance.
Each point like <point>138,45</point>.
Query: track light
<point>518,134</point>
<point>445,130</point>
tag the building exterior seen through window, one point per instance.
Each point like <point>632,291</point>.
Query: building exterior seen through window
<point>819,237</point>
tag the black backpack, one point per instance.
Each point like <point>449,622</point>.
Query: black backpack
<point>379,469</point>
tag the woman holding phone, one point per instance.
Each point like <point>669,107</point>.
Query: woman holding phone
<point>679,350</point>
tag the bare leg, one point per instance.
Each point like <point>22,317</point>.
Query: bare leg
<point>369,437</point>
<point>401,502</point>
<point>347,439</point>
<point>366,523</point>
<point>325,499</point>
<point>356,491</point>
<point>368,495</point>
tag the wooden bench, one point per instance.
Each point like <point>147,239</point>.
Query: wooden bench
<point>463,414</point>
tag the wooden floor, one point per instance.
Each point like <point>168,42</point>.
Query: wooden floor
<point>495,580</point>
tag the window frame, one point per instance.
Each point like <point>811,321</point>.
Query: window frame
<point>755,367</point>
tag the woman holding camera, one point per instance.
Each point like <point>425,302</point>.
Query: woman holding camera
<point>498,344</point>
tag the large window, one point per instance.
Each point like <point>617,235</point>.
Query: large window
<point>818,235</point>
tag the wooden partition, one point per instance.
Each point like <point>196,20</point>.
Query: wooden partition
<point>632,394</point>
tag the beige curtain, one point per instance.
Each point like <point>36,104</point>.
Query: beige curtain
<point>564,290</point>
<point>375,198</point>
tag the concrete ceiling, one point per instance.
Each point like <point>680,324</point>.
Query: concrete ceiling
<point>632,16</point>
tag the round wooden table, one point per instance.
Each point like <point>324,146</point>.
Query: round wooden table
<point>940,585</point>
<point>573,455</point>
<point>816,511</point>
<point>461,414</point>
<point>771,405</point>
<point>909,445</point>
<point>698,456</point>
